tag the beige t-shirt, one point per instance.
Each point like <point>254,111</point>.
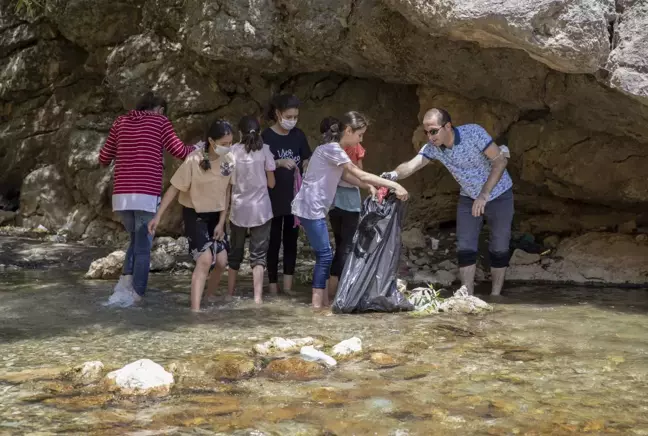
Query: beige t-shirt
<point>204,191</point>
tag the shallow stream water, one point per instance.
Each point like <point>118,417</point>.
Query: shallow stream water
<point>546,361</point>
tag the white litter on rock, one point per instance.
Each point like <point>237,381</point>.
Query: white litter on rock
<point>428,301</point>
<point>349,346</point>
<point>310,354</point>
<point>141,376</point>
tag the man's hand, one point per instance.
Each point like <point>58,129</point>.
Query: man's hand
<point>391,175</point>
<point>373,191</point>
<point>479,205</point>
<point>289,164</point>
<point>219,232</point>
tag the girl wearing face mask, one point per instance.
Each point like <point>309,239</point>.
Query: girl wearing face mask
<point>251,208</point>
<point>203,181</point>
<point>291,152</point>
<point>328,166</point>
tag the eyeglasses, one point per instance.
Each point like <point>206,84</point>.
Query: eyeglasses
<point>433,131</point>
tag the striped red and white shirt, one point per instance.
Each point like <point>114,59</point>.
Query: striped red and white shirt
<point>136,143</point>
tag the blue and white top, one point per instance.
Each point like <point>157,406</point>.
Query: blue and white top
<point>467,162</point>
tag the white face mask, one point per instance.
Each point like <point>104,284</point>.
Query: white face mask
<point>288,124</point>
<point>221,150</point>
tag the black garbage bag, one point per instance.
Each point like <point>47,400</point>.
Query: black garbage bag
<point>368,281</point>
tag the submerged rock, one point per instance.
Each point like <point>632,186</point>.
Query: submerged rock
<point>347,347</point>
<point>281,345</point>
<point>382,360</point>
<point>293,368</point>
<point>140,378</point>
<point>88,372</point>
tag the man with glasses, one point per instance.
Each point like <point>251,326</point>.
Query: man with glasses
<point>479,166</point>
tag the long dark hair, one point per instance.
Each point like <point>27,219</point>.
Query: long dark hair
<point>281,103</point>
<point>216,131</point>
<point>335,129</point>
<point>150,101</point>
<point>250,133</point>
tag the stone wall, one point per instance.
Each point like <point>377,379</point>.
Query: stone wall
<point>563,84</point>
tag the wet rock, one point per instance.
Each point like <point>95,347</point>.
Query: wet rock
<point>521,355</point>
<point>26,375</point>
<point>88,372</point>
<point>413,238</point>
<point>80,402</point>
<point>310,354</point>
<point>415,347</point>
<point>521,257</point>
<point>328,396</point>
<point>109,267</point>
<point>410,372</point>
<point>293,368</point>
<point>141,377</point>
<point>551,241</point>
<point>231,367</point>
<point>206,409</point>
<point>347,347</point>
<point>383,360</point>
<point>642,238</point>
<point>281,345</point>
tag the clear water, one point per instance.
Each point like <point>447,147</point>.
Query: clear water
<point>546,361</point>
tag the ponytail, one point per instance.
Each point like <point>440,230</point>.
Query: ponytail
<point>250,133</point>
<point>333,129</point>
<point>205,165</point>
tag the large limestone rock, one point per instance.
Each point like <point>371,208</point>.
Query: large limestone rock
<point>567,36</point>
<point>593,258</point>
<point>627,63</point>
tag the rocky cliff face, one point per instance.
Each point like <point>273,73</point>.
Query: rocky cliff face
<point>563,83</point>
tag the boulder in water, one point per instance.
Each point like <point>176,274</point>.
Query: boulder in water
<point>347,347</point>
<point>141,378</point>
<point>109,267</point>
<point>88,372</point>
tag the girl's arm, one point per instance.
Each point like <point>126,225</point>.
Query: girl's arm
<point>374,180</point>
<point>271,179</point>
<point>219,231</point>
<point>166,202</point>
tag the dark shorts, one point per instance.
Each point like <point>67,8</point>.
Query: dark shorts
<point>259,243</point>
<point>199,230</point>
